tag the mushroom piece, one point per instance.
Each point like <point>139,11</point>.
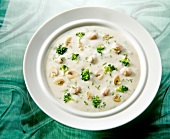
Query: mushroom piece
<point>118,48</point>
<point>116,98</point>
<point>100,74</point>
<point>81,47</point>
<point>60,59</point>
<point>89,96</point>
<point>106,92</point>
<point>53,72</point>
<point>76,90</point>
<point>126,71</point>
<point>71,74</point>
<point>92,59</point>
<point>116,80</point>
<point>92,35</point>
<point>68,41</point>
<point>59,81</point>
<point>106,36</point>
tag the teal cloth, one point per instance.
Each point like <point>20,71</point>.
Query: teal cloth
<point>20,117</point>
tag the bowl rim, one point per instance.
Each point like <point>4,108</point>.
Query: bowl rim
<point>92,22</point>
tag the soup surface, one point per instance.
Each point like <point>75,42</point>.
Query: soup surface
<point>92,68</point>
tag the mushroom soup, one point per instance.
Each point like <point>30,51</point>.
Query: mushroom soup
<point>92,68</point>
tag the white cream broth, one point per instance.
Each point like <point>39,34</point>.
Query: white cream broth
<point>82,100</point>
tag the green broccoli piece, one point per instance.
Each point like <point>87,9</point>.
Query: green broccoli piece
<point>60,49</point>
<point>67,97</point>
<point>125,60</point>
<point>122,88</point>
<point>109,68</point>
<point>96,101</point>
<point>64,68</point>
<point>100,48</point>
<point>80,35</point>
<point>75,56</point>
<point>85,74</point>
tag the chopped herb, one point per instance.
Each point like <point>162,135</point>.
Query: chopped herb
<point>100,48</point>
<point>104,64</point>
<point>122,88</point>
<point>112,93</point>
<point>88,87</point>
<point>85,74</point>
<point>110,82</point>
<point>86,103</point>
<point>98,87</point>
<point>129,80</point>
<point>92,83</point>
<point>66,90</point>
<point>96,101</point>
<point>54,57</point>
<point>123,80</point>
<point>103,104</point>
<point>60,49</point>
<point>73,87</point>
<point>125,61</point>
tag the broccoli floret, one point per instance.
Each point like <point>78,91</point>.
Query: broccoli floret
<point>125,60</point>
<point>85,74</point>
<point>122,88</point>
<point>100,48</point>
<point>64,68</point>
<point>96,101</point>
<point>80,35</point>
<point>60,49</point>
<point>75,56</point>
<point>67,97</point>
<point>109,68</point>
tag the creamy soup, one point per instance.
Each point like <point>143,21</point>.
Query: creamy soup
<point>92,68</point>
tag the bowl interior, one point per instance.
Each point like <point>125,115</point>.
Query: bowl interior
<point>91,22</point>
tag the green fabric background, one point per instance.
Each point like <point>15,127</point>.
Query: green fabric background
<point>21,118</point>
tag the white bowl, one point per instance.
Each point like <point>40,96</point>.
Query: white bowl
<point>33,68</point>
